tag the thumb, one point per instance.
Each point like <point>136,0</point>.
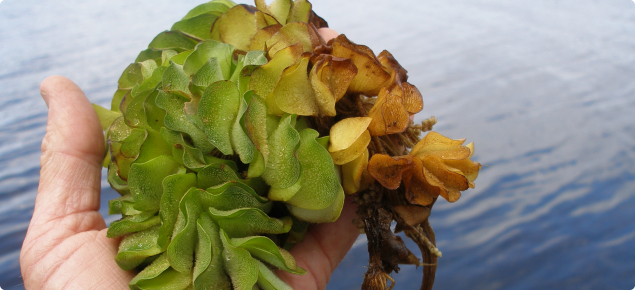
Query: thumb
<point>72,151</point>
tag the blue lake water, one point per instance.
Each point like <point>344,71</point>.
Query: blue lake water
<point>544,88</point>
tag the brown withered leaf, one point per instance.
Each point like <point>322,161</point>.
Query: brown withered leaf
<point>393,85</point>
<point>319,52</point>
<point>411,215</point>
<point>412,99</point>
<point>467,167</point>
<point>418,190</point>
<point>338,73</point>
<point>330,78</point>
<point>451,183</point>
<point>436,144</point>
<point>317,21</point>
<point>389,170</point>
<point>389,61</point>
<point>389,115</point>
<point>370,73</point>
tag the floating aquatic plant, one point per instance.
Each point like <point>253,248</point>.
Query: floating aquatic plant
<point>241,125</point>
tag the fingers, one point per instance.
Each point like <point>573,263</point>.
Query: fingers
<point>323,248</point>
<point>328,33</point>
<point>72,150</point>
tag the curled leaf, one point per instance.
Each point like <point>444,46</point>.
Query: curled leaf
<point>346,132</point>
<point>389,170</point>
<point>330,78</point>
<point>241,267</point>
<point>389,115</point>
<point>245,222</point>
<point>370,72</point>
<point>352,173</point>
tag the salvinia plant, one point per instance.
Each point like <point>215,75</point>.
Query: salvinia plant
<point>240,126</point>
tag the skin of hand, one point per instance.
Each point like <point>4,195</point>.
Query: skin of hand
<point>66,245</point>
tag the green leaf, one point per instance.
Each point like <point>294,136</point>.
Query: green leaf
<point>284,194</point>
<point>136,247</point>
<point>250,61</point>
<point>206,50</point>
<point>106,117</point>
<point>253,59</point>
<point>179,58</point>
<point>217,111</point>
<point>266,250</point>
<point>326,215</point>
<point>132,108</point>
<point>296,234</point>
<point>168,280</point>
<point>181,248</point>
<point>268,280</point>
<point>132,224</point>
<point>241,267</point>
<point>152,147</point>
<point>233,195</point>
<point>215,8</point>
<point>152,271</point>
<point>324,141</point>
<point>172,40</point>
<point>256,125</point>
<point>116,99</point>
<point>240,140</point>
<point>264,78</point>
<point>135,73</point>
<point>257,166</point>
<point>125,145</point>
<point>283,169</point>
<point>166,55</point>
<point>152,82</point>
<point>145,181</point>
<point>293,93</point>
<point>174,188</point>
<point>244,222</point>
<point>208,74</point>
<point>149,54</point>
<point>189,156</point>
<point>216,174</point>
<point>122,205</point>
<point>176,120</point>
<point>154,114</point>
<point>176,81</point>
<point>320,184</point>
<point>208,269</point>
<point>197,26</point>
<point>115,181</point>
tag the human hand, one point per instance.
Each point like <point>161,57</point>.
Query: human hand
<point>66,245</point>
